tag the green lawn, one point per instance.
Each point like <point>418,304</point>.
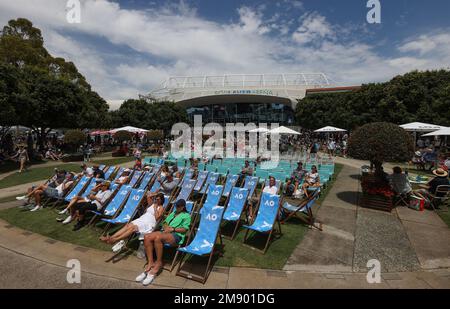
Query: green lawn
<point>42,173</point>
<point>35,174</point>
<point>234,252</point>
<point>8,199</point>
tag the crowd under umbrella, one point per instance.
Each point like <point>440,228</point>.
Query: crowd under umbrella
<point>420,127</point>
<point>442,132</point>
<point>329,129</point>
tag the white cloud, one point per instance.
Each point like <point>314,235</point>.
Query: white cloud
<point>174,40</point>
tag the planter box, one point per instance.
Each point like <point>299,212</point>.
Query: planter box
<point>379,202</point>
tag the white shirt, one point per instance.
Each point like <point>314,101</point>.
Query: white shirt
<point>312,177</point>
<point>103,196</point>
<point>271,190</point>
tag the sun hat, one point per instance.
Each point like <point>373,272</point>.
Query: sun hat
<point>440,172</point>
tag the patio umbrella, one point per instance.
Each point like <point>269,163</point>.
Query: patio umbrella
<point>259,130</point>
<point>441,132</point>
<point>129,129</point>
<point>420,127</point>
<point>329,130</point>
<point>283,130</point>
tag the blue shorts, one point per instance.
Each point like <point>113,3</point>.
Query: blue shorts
<point>176,237</point>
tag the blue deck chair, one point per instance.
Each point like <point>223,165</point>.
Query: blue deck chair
<point>204,241</point>
<point>186,190</point>
<point>213,195</point>
<point>101,167</point>
<point>235,207</point>
<point>211,180</point>
<point>89,188</point>
<point>135,179</point>
<point>76,190</point>
<point>129,210</point>
<point>269,208</point>
<point>146,179</point>
<point>146,161</point>
<point>211,168</point>
<point>201,180</point>
<point>222,170</point>
<point>156,185</point>
<point>109,171</point>
<point>305,207</point>
<point>119,173</point>
<point>187,176</point>
<point>156,168</point>
<point>114,206</point>
<point>250,183</point>
<point>230,182</point>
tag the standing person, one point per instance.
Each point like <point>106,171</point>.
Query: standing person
<point>22,157</point>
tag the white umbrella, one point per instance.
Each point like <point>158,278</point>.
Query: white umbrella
<point>283,130</point>
<point>421,127</point>
<point>330,130</point>
<point>259,130</point>
<point>129,129</point>
<point>441,132</point>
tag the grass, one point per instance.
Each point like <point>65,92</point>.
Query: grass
<point>43,222</point>
<point>234,252</point>
<point>34,174</point>
<point>444,213</point>
<point>42,173</point>
<point>8,198</point>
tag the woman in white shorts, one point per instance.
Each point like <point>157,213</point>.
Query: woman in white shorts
<point>144,224</point>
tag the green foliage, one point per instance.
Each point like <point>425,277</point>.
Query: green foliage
<point>155,134</point>
<point>141,114</point>
<point>416,96</point>
<point>122,136</point>
<point>75,138</point>
<point>380,142</point>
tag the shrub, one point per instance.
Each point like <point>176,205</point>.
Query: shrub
<point>155,135</point>
<point>74,138</point>
<point>381,142</point>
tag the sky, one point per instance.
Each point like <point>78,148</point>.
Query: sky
<point>127,48</point>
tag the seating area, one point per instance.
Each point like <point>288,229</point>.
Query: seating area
<point>214,198</point>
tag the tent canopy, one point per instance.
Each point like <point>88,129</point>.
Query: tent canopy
<point>421,127</point>
<point>441,132</point>
<point>129,129</point>
<point>330,130</point>
<point>283,130</point>
<point>259,130</point>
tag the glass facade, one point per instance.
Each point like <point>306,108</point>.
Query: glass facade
<point>244,113</point>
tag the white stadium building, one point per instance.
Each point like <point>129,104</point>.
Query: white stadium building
<point>243,97</point>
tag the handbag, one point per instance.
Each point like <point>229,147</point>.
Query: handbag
<point>416,203</point>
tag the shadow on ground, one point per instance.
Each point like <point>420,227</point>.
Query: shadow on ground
<point>350,197</point>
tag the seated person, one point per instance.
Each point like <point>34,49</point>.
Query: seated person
<point>312,180</point>
<point>138,164</point>
<point>173,232</point>
<point>271,189</point>
<point>79,205</point>
<point>247,170</point>
<point>167,185</point>
<point>37,192</point>
<point>97,172</point>
<point>49,154</point>
<point>145,224</point>
<point>418,161</point>
<point>124,178</point>
<point>175,172</point>
<point>296,178</point>
<point>164,171</point>
<point>400,182</point>
<point>429,191</point>
<point>86,171</point>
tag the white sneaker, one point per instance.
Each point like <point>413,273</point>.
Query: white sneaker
<point>148,279</point>
<point>21,198</point>
<point>67,220</point>
<point>37,207</point>
<point>62,212</point>
<point>117,247</point>
<point>141,277</point>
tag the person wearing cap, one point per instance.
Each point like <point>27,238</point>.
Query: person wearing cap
<point>94,202</point>
<point>428,191</point>
<point>173,232</point>
<point>296,178</point>
<point>144,224</point>
<point>124,177</point>
<point>99,190</point>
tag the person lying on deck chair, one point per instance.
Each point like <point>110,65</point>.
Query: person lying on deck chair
<point>86,171</point>
<point>271,189</point>
<point>296,178</point>
<point>144,224</point>
<point>36,192</point>
<point>167,185</point>
<point>173,233</point>
<point>124,177</point>
<point>94,201</point>
<point>312,179</point>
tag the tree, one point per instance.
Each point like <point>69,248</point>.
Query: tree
<point>123,136</point>
<point>416,96</point>
<point>155,134</point>
<point>380,142</point>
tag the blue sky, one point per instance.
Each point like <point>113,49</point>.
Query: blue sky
<point>126,48</point>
